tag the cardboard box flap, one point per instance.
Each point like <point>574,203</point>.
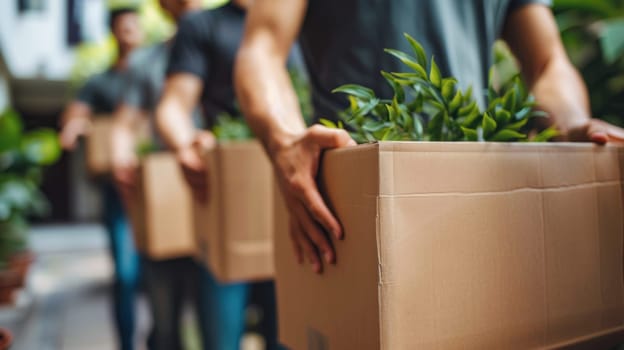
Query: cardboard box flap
<point>468,167</point>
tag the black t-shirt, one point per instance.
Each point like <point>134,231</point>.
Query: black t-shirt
<point>103,91</point>
<point>206,46</point>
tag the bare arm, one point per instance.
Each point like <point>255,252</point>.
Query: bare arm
<point>174,119</point>
<point>126,121</point>
<point>270,105</point>
<point>266,95</point>
<point>75,122</point>
<point>175,110</point>
<point>532,34</point>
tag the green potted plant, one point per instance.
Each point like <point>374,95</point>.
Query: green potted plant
<point>23,155</point>
<point>429,107</point>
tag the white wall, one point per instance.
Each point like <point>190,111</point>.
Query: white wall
<point>34,43</point>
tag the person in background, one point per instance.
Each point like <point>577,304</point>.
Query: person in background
<point>100,95</point>
<point>200,71</point>
<point>170,282</point>
<point>343,42</point>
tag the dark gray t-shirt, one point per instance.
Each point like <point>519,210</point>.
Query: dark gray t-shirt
<point>205,46</point>
<point>146,76</point>
<point>103,91</point>
<point>145,82</point>
<point>343,42</point>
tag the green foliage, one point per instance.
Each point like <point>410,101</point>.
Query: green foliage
<point>228,128</point>
<point>430,107</point>
<point>145,147</point>
<point>593,35</point>
<point>22,158</point>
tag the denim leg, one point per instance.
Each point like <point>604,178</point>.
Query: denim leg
<point>126,266</point>
<point>222,312</point>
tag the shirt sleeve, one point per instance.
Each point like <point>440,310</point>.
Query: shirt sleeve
<point>87,93</point>
<point>189,53</point>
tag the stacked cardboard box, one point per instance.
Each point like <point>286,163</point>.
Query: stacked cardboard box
<point>98,143</point>
<point>235,226</point>
<point>463,245</point>
<point>161,211</point>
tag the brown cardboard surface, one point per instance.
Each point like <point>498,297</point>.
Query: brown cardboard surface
<point>161,212</point>
<point>462,245</point>
<point>98,146</point>
<point>235,227</point>
<point>98,143</point>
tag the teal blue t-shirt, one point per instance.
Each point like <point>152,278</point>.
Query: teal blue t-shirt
<point>343,41</point>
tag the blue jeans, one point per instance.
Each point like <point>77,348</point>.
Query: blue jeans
<point>126,266</point>
<point>222,312</point>
<point>168,284</point>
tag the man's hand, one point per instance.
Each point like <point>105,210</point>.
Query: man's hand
<point>75,122</point>
<point>596,131</point>
<point>193,166</point>
<point>125,175</point>
<point>296,165</point>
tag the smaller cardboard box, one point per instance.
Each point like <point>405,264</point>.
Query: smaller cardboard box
<point>463,246</point>
<point>98,143</point>
<point>235,226</point>
<point>161,211</point>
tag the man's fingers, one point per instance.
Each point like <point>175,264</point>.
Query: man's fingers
<point>306,246</point>
<point>615,133</point>
<point>292,228</point>
<point>329,138</point>
<point>314,233</point>
<point>314,203</point>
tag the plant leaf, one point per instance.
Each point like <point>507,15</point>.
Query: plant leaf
<point>488,124</point>
<point>470,134</point>
<point>399,93</point>
<point>356,90</point>
<point>546,135</point>
<point>407,60</point>
<point>448,88</point>
<point>434,75</point>
<point>456,102</point>
<point>517,125</point>
<point>507,135</point>
<point>418,50</point>
<point>502,117</point>
<point>328,123</point>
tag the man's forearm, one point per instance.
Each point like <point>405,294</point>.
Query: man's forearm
<point>174,124</point>
<point>267,98</point>
<point>561,92</point>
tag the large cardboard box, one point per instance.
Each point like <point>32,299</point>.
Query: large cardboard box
<point>98,143</point>
<point>463,245</point>
<point>161,211</point>
<point>235,226</point>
